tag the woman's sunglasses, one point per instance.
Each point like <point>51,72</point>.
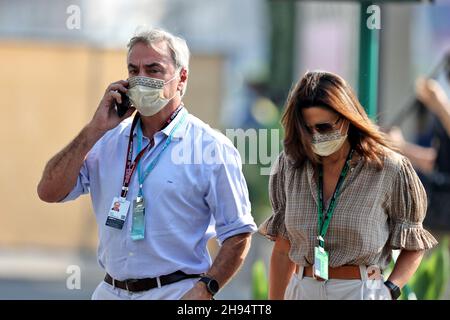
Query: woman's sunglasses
<point>323,128</point>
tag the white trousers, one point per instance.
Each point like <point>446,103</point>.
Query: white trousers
<point>173,291</point>
<point>307,288</point>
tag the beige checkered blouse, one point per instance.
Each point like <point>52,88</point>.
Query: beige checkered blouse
<point>377,211</point>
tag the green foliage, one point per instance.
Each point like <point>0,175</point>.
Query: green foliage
<point>431,278</point>
<point>260,284</point>
<point>257,182</point>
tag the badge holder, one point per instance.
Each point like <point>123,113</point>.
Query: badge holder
<point>320,267</point>
<point>138,225</point>
<point>118,213</point>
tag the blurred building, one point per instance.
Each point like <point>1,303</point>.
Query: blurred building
<point>53,78</point>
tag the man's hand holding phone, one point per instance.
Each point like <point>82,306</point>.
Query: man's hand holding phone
<point>113,108</point>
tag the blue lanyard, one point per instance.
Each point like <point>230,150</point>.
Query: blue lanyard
<point>152,165</point>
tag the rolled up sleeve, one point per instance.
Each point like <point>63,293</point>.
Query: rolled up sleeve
<point>227,196</point>
<point>82,185</point>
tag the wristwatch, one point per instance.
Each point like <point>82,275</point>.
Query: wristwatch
<point>395,291</point>
<point>211,284</point>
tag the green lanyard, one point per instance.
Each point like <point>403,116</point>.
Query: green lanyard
<point>324,222</point>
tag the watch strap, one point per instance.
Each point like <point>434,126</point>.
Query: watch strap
<point>394,289</point>
<point>211,284</point>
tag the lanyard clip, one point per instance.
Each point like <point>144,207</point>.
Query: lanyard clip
<point>124,192</point>
<point>321,242</point>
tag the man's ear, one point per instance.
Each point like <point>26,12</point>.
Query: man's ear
<point>183,79</point>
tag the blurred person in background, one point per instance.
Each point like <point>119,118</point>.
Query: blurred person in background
<point>432,96</point>
<point>156,246</point>
<point>433,162</point>
<point>342,200</point>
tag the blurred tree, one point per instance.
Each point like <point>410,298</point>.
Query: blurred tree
<point>282,46</point>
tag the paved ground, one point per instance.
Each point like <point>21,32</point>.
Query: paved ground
<point>39,274</point>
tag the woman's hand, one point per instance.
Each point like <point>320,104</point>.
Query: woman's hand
<point>405,267</point>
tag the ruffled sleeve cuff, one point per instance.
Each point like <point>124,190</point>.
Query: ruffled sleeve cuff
<point>411,236</point>
<point>273,227</point>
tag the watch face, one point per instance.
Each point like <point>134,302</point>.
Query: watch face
<point>213,286</point>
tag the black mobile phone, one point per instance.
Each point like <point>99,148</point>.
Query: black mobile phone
<point>124,106</point>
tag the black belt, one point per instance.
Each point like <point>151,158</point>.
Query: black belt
<point>137,285</point>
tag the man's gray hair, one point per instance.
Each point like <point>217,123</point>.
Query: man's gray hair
<point>178,47</point>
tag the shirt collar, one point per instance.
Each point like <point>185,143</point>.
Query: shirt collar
<point>181,130</point>
<point>178,134</point>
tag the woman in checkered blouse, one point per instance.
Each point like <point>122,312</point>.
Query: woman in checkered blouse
<point>379,204</point>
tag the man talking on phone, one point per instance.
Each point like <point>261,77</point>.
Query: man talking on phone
<point>155,246</point>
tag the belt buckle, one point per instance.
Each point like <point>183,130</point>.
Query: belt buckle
<point>129,281</point>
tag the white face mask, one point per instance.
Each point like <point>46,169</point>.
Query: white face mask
<point>325,144</point>
<point>147,94</point>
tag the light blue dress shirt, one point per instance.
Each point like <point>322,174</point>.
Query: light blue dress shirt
<point>196,191</point>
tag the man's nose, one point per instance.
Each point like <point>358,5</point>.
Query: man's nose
<point>142,73</point>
